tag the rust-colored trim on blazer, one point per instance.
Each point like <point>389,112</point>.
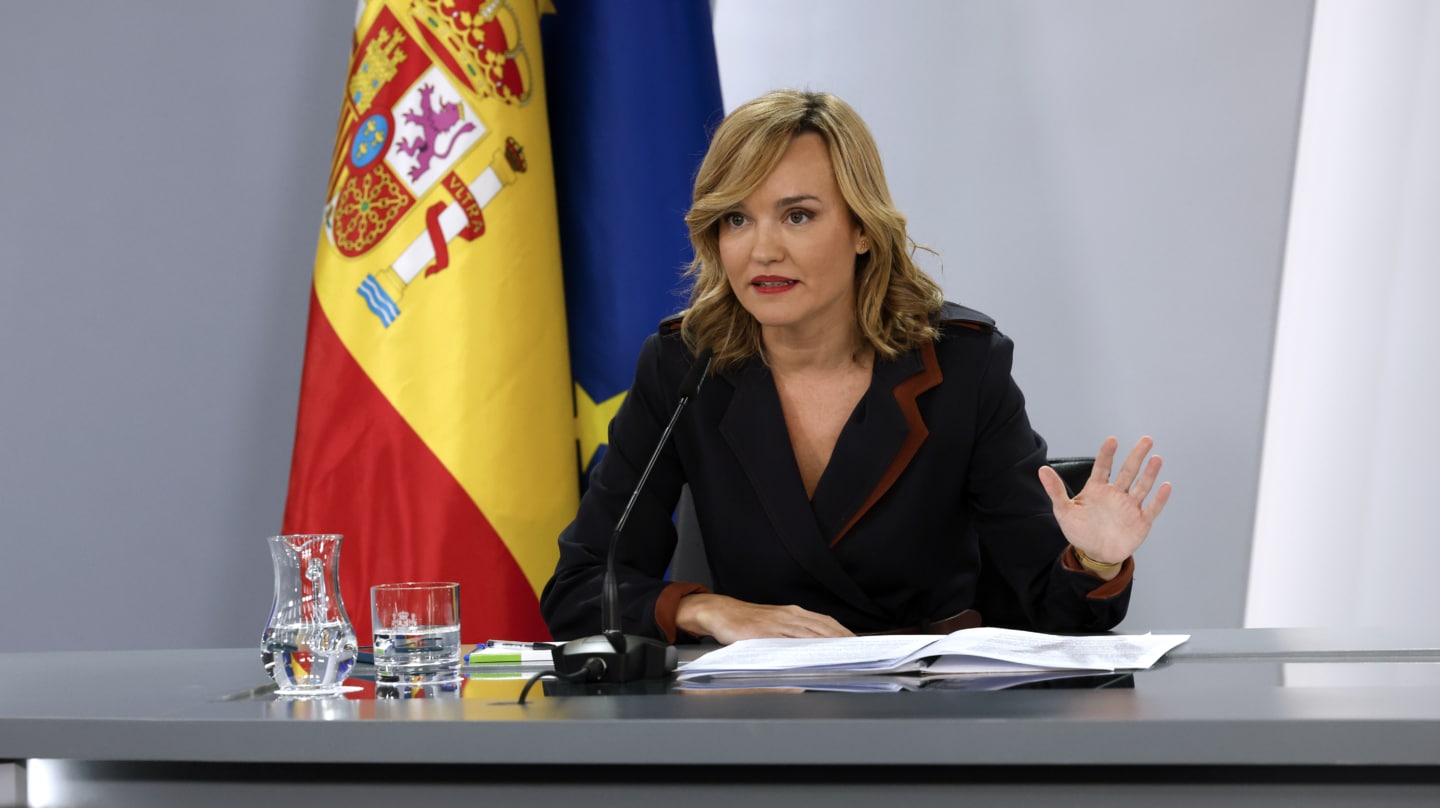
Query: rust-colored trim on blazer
<point>1110,588</point>
<point>669,603</point>
<point>905,394</point>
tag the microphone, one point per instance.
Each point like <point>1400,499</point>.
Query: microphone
<point>613,655</point>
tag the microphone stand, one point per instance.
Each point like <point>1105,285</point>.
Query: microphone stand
<point>612,655</point>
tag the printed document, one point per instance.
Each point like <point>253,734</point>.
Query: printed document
<point>972,650</point>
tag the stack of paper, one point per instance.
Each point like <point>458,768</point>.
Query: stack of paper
<point>969,651</point>
<point>896,682</point>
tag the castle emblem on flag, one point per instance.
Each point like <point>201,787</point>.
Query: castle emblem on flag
<point>381,63</point>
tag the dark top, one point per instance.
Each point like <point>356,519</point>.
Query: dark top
<point>930,505</point>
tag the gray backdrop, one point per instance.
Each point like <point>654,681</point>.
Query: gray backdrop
<point>163,177</point>
<point>1115,194</point>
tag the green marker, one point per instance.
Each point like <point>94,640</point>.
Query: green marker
<point>488,657</point>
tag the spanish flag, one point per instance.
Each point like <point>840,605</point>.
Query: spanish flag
<point>435,425</point>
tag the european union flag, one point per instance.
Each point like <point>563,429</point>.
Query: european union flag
<point>633,94</point>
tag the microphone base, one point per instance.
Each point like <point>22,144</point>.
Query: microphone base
<point>623,657</point>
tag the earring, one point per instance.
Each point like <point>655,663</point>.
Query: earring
<point>864,246</point>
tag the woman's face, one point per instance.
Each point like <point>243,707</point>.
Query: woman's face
<point>789,248</point>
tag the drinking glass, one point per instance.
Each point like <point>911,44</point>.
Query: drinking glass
<point>417,632</point>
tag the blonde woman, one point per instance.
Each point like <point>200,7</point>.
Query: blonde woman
<point>860,459</point>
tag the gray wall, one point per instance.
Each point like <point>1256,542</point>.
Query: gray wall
<point>1114,191</point>
<point>162,178</point>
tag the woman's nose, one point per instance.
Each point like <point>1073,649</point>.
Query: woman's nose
<point>768,248</point>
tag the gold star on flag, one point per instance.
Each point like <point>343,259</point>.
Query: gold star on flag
<point>592,423</point>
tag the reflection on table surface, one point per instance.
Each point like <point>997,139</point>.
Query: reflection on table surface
<point>1259,662</point>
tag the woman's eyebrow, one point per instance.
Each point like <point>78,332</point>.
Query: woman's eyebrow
<point>793,200</point>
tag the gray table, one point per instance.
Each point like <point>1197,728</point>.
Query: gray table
<point>1262,716</point>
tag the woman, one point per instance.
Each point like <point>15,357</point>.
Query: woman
<point>860,459</point>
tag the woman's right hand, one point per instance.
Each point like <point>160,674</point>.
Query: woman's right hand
<point>728,620</point>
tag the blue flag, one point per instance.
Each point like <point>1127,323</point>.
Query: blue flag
<point>633,95</point>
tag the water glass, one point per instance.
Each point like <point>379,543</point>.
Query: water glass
<point>417,632</point>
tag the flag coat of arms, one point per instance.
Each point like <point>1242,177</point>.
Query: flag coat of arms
<point>435,425</point>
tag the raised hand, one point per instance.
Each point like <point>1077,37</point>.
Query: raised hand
<point>1109,519</point>
<point>729,620</point>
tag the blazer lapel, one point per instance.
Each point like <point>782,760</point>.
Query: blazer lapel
<point>754,428</point>
<point>881,438</point>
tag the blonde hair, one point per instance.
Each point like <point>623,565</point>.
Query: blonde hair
<point>894,298</point>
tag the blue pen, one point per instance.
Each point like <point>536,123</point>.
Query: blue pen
<point>534,646</point>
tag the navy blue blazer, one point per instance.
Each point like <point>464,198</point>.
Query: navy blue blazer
<point>930,505</point>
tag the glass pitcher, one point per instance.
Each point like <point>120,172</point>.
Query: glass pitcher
<point>309,645</point>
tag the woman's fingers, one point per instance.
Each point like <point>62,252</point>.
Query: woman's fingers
<point>1104,459</point>
<point>1055,487</point>
<point>1157,504</point>
<point>1131,467</point>
<point>800,622</point>
<point>1146,481</point>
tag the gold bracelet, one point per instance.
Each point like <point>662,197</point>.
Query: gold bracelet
<point>1091,564</point>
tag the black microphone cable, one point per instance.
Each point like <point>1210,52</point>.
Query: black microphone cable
<point>593,668</point>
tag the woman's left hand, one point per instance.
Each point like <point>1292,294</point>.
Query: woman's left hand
<point>1109,519</point>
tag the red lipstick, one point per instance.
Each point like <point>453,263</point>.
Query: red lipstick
<point>772,284</point>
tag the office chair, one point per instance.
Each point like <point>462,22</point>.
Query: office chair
<point>689,562</point>
<point>994,599</point>
<point>1073,470</point>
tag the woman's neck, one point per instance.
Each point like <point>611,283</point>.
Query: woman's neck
<point>839,350</point>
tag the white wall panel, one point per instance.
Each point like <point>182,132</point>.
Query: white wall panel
<point>1344,531</point>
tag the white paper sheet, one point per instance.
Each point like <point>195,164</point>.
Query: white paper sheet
<point>975,650</point>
